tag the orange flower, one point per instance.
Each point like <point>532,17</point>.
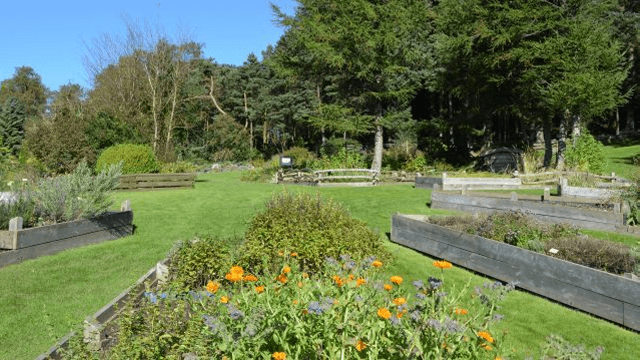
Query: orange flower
<point>233,277</point>
<point>305,275</point>
<point>485,335</point>
<point>399,301</point>
<point>377,263</point>
<point>360,281</point>
<point>486,347</point>
<point>286,269</point>
<point>282,278</point>
<point>212,287</point>
<point>360,345</point>
<point>388,287</point>
<point>250,278</point>
<point>396,280</point>
<point>384,313</point>
<point>351,276</point>
<point>442,264</point>
<point>236,270</point>
<point>338,280</point>
<point>295,302</point>
<point>259,289</point>
<point>224,299</point>
<point>300,284</point>
<point>294,254</point>
<point>280,253</point>
<point>461,311</point>
<point>279,356</point>
<point>399,315</point>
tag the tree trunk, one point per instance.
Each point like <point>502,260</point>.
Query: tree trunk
<point>562,142</point>
<point>548,147</point>
<point>617,122</point>
<point>630,119</point>
<point>576,126</point>
<point>377,153</point>
<point>251,133</point>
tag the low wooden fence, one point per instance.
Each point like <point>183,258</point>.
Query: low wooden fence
<point>544,210</point>
<point>99,328</point>
<point>156,181</point>
<point>606,295</point>
<point>330,177</point>
<point>21,244</point>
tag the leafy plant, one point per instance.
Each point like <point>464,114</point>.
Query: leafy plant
<point>313,227</point>
<point>558,348</point>
<point>177,167</point>
<point>302,158</point>
<point>21,205</point>
<point>586,155</point>
<point>595,253</point>
<point>355,311</point>
<point>343,159</point>
<point>136,159</point>
<point>75,196</point>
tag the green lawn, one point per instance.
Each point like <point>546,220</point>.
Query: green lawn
<point>620,160</point>
<point>42,299</point>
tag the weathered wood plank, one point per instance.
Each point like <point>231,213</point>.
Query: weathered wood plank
<point>351,184</point>
<point>16,256</point>
<point>594,280</point>
<point>165,184</point>
<point>329,177</point>
<point>427,182</point>
<point>162,177</point>
<point>606,295</point>
<point>56,232</point>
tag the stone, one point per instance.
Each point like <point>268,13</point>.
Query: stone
<point>216,166</point>
<point>15,224</point>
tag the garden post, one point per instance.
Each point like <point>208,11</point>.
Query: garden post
<point>125,206</point>
<point>547,194</point>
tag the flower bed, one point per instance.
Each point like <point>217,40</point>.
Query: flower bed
<point>606,295</point>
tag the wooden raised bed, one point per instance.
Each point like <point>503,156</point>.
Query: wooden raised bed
<point>606,295</point>
<point>99,328</point>
<point>21,244</point>
<point>545,211</point>
<point>156,181</point>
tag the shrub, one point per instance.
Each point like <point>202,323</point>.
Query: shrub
<point>195,262</point>
<point>356,312</point>
<point>343,159</point>
<point>136,159</point>
<point>302,158</point>
<point>586,155</point>
<point>75,196</point>
<point>177,167</point>
<point>309,226</point>
<point>594,253</point>
<point>21,206</point>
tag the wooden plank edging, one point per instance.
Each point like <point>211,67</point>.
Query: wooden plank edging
<point>606,295</point>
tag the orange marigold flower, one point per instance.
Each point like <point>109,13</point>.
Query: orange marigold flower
<point>300,284</point>
<point>461,311</point>
<point>351,276</point>
<point>360,345</point>
<point>485,335</point>
<point>233,277</point>
<point>280,253</point>
<point>360,281</point>
<point>286,269</point>
<point>295,302</point>
<point>388,287</point>
<point>399,301</point>
<point>442,264</point>
<point>486,347</point>
<point>396,280</point>
<point>236,270</point>
<point>259,289</point>
<point>279,356</point>
<point>294,254</point>
<point>338,280</point>
<point>305,275</point>
<point>250,278</point>
<point>282,278</point>
<point>399,315</point>
<point>377,263</point>
<point>384,313</point>
<point>224,299</point>
<point>212,287</point>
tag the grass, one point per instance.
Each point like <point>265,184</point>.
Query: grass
<point>620,160</point>
<point>43,299</point>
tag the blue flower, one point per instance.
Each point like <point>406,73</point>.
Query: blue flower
<point>151,296</point>
<point>434,323</point>
<point>418,284</point>
<point>315,308</point>
<point>434,283</point>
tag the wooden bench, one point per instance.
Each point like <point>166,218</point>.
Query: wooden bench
<point>335,177</point>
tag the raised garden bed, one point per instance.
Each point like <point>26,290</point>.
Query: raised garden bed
<point>606,295</point>
<point>156,181</point>
<point>613,220</point>
<point>19,244</point>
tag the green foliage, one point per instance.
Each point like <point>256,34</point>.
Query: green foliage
<point>227,140</point>
<point>595,253</point>
<point>556,347</point>
<point>586,155</point>
<point>22,206</point>
<point>199,260</point>
<point>310,226</point>
<point>12,118</point>
<point>104,131</point>
<point>136,159</point>
<point>238,321</point>
<point>302,158</point>
<point>77,195</point>
<point>343,159</point>
<point>177,167</point>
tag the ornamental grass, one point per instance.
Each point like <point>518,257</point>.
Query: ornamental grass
<point>294,315</point>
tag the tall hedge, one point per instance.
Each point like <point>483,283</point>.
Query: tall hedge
<point>136,159</point>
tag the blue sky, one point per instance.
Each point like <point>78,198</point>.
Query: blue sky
<point>50,35</point>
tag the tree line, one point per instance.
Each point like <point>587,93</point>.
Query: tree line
<point>445,78</point>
